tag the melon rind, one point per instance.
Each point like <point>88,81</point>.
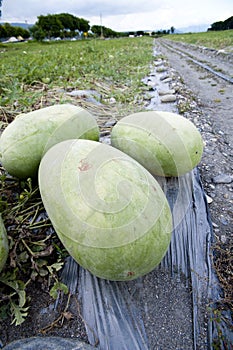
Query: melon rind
<point>30,135</point>
<point>109,211</point>
<point>165,143</point>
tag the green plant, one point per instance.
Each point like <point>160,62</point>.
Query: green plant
<point>212,39</point>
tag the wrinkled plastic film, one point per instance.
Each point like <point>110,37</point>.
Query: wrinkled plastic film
<point>112,320</point>
<point>117,314</point>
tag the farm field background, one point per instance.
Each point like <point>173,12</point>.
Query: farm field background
<point>212,39</point>
<point>114,68</point>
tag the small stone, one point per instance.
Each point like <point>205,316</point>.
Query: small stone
<point>224,221</point>
<point>163,77</point>
<point>212,186</point>
<point>110,123</point>
<point>223,238</point>
<point>158,63</point>
<point>209,199</point>
<point>161,69</point>
<point>222,179</point>
<point>166,92</point>
<point>168,98</point>
<point>167,80</point>
<point>112,100</point>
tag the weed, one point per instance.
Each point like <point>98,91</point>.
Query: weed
<point>216,39</point>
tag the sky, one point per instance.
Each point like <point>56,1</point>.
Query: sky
<point>120,15</point>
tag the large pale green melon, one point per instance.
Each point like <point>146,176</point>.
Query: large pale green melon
<point>30,135</point>
<point>165,143</point>
<point>109,212</point>
<point>4,248</point>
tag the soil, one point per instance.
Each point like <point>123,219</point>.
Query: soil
<point>211,112</point>
<point>207,100</point>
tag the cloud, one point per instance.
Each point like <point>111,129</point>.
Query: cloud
<point>80,8</point>
<point>120,15</point>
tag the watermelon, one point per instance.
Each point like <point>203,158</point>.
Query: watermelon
<point>30,135</point>
<point>108,211</point>
<point>165,143</point>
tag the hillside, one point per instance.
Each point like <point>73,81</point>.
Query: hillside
<point>23,25</point>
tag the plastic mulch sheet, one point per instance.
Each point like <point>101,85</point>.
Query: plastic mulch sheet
<point>169,308</point>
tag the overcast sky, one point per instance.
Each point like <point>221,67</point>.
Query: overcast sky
<point>121,15</point>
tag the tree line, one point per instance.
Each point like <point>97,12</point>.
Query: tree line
<point>222,25</point>
<point>65,25</point>
<point>58,25</point>
<point>7,31</point>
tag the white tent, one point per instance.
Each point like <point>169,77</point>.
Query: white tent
<point>11,40</point>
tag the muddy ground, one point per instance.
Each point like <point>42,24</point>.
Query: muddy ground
<point>207,101</point>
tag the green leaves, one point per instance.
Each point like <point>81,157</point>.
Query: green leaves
<point>17,296</point>
<point>58,287</point>
<point>20,313</point>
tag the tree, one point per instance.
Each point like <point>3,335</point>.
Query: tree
<point>67,21</point>
<point>9,29</point>
<point>50,24</point>
<point>107,32</point>
<point>3,33</point>
<point>222,25</point>
<point>6,31</point>
<point>37,32</point>
<point>140,32</point>
<point>62,25</point>
<point>83,25</point>
<point>172,30</point>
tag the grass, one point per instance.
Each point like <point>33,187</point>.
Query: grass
<point>216,40</point>
<point>120,64</point>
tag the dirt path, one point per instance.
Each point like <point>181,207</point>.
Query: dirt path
<point>212,114</point>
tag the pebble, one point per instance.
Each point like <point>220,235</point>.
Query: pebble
<point>167,80</point>
<point>224,221</point>
<point>222,179</point>
<point>212,186</point>
<point>161,69</point>
<point>163,77</point>
<point>168,98</point>
<point>166,92</point>
<point>112,100</point>
<point>209,199</point>
<point>110,123</point>
<point>158,63</point>
<point>223,238</point>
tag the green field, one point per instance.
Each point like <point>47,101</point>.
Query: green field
<point>216,40</point>
<point>113,68</point>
